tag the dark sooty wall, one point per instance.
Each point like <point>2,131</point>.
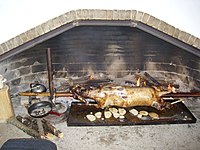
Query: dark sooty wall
<point>111,50</point>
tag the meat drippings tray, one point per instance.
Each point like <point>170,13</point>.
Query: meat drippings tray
<point>178,114</point>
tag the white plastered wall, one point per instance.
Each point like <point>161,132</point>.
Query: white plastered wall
<point>18,16</point>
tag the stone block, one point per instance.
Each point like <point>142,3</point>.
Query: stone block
<point>56,22</point>
<point>167,28</point>
<point>1,50</point>
<point>45,27</point>
<point>39,29</point>
<point>33,33</point>
<point>191,39</point>
<point>38,68</point>
<point>24,70</point>
<point>82,14</point>
<point>62,19</point>
<point>30,77</point>
<point>109,15</point>
<point>124,14</point>
<point>196,43</point>
<point>154,22</point>
<point>15,41</point>
<point>29,34</point>
<point>145,18</point>
<point>24,37</point>
<point>16,82</point>
<point>4,47</point>
<point>171,30</point>
<point>115,15</point>
<point>176,33</point>
<point>99,14</point>
<point>183,36</point>
<point>9,44</point>
<point>51,25</point>
<point>15,65</point>
<point>162,25</point>
<point>71,16</point>
<point>79,14</point>
<point>133,14</point>
<point>139,16</point>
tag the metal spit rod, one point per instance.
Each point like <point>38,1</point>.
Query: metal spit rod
<point>50,73</point>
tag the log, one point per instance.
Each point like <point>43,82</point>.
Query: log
<point>32,123</point>
<point>27,122</point>
<point>40,126</point>
<point>149,77</point>
<point>52,129</point>
<point>57,94</point>
<point>23,127</point>
<point>48,127</point>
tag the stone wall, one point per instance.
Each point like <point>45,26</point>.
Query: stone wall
<point>108,50</point>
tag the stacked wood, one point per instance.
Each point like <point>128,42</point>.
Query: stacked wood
<point>36,127</point>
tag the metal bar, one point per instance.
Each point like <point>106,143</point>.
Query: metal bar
<point>57,94</point>
<point>183,94</point>
<point>50,73</point>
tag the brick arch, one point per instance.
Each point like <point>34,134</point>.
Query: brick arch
<point>75,18</point>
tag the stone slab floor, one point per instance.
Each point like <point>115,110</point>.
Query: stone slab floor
<point>151,137</point>
<point>144,137</point>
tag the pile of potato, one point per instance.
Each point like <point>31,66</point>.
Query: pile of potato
<point>120,113</point>
<point>144,113</point>
<point>112,111</point>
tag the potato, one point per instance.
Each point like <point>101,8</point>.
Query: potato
<point>143,113</point>
<point>91,117</point>
<point>121,117</point>
<point>116,115</point>
<point>154,115</point>
<point>113,110</point>
<point>107,114</point>
<point>134,112</point>
<point>139,116</point>
<point>122,111</point>
<point>98,115</point>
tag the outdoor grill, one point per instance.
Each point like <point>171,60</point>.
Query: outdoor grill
<point>100,49</point>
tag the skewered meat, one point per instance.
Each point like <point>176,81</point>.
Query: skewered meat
<point>122,96</point>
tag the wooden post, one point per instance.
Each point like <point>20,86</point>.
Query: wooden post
<point>6,108</point>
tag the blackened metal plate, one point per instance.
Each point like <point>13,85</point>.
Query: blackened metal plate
<point>178,114</point>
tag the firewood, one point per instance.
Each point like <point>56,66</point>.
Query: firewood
<point>52,129</point>
<point>27,122</point>
<point>23,127</point>
<point>48,127</point>
<point>32,123</point>
<point>40,126</point>
<point>150,78</point>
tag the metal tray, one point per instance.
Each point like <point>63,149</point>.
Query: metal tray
<point>178,114</point>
